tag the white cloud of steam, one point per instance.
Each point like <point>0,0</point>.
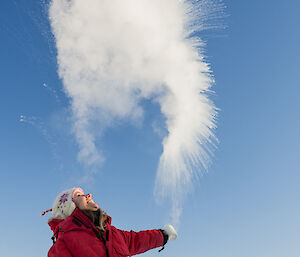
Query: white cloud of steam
<point>114,53</point>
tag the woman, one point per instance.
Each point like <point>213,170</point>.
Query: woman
<point>82,229</point>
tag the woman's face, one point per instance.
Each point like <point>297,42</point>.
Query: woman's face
<point>84,202</point>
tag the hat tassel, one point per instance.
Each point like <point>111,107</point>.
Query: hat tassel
<point>44,212</point>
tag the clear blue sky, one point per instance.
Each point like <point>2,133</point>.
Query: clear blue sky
<point>246,205</point>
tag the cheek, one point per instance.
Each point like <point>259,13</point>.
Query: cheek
<point>80,203</point>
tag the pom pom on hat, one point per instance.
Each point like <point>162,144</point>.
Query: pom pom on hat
<point>63,205</point>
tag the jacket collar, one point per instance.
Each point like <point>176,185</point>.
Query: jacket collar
<point>78,214</point>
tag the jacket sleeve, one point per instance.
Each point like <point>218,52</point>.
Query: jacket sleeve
<point>59,249</point>
<point>139,242</point>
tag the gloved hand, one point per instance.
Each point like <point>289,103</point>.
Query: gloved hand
<point>171,232</point>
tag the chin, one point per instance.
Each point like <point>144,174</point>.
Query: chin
<point>93,207</point>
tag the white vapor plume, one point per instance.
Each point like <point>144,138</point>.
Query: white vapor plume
<point>112,54</point>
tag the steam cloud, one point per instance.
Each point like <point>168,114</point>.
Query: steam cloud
<point>114,53</point>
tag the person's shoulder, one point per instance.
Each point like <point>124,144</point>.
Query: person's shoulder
<point>69,224</point>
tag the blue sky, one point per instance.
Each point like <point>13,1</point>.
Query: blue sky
<point>246,205</point>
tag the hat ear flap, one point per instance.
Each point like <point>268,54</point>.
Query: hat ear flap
<point>72,207</point>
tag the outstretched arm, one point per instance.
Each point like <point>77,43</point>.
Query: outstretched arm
<point>139,242</point>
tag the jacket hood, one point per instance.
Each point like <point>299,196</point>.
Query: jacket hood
<point>54,224</point>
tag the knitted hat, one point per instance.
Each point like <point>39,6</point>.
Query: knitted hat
<point>64,205</point>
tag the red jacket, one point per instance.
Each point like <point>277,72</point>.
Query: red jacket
<point>77,236</point>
